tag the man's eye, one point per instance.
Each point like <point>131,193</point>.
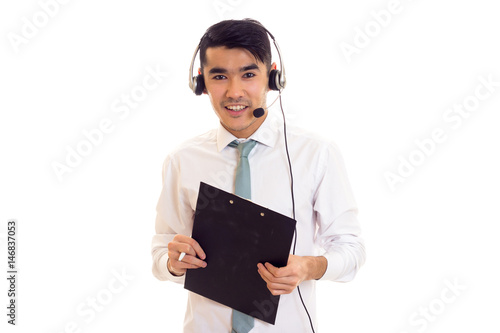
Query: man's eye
<point>219,77</point>
<point>247,75</point>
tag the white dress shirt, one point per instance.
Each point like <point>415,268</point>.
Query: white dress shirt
<point>325,212</point>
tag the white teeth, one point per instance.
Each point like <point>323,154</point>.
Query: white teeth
<point>235,107</point>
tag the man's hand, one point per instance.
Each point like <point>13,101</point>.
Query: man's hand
<point>284,280</point>
<point>193,259</point>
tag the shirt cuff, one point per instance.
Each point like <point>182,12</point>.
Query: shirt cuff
<point>335,266</point>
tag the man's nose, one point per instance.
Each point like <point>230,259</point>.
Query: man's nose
<point>235,89</point>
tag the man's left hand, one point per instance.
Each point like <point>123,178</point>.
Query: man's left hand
<point>284,280</point>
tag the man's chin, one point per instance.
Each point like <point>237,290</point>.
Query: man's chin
<point>239,130</point>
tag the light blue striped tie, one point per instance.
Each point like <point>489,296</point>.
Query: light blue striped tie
<point>242,323</point>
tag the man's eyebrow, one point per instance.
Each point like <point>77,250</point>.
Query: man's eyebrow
<point>220,70</point>
<point>217,70</point>
<point>249,68</point>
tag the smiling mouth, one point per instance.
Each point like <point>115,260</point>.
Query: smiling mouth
<point>236,108</point>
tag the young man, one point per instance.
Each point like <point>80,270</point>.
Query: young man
<point>235,61</point>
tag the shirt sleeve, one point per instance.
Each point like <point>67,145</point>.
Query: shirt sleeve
<point>336,217</point>
<point>174,215</point>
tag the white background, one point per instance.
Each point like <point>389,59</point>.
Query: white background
<point>439,225</point>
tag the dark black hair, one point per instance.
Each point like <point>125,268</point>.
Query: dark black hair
<point>248,34</point>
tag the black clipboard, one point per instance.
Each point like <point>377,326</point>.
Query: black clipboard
<point>236,234</point>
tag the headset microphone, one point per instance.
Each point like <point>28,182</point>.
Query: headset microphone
<point>257,113</point>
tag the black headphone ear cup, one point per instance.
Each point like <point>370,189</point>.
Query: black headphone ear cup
<point>274,79</point>
<point>200,85</point>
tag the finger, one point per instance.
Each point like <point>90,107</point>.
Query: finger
<point>265,273</point>
<point>177,248</point>
<point>279,283</point>
<point>278,292</point>
<point>278,272</point>
<point>184,265</point>
<point>197,248</point>
<point>277,288</point>
<point>193,261</point>
<point>193,248</point>
<point>189,262</point>
<point>276,281</point>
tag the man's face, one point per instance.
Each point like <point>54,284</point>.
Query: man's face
<point>237,84</point>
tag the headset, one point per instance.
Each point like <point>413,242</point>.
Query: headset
<point>277,82</point>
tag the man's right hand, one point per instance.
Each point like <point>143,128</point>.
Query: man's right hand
<point>193,259</point>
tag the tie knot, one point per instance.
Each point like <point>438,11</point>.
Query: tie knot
<point>244,148</point>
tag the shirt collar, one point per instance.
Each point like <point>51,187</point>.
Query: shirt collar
<point>265,134</point>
